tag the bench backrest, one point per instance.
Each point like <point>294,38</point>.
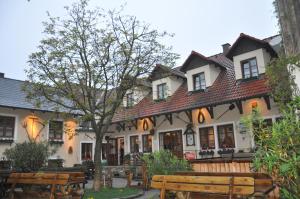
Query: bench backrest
<point>205,184</point>
<point>39,178</point>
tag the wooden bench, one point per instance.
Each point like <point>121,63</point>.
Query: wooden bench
<point>264,183</point>
<point>61,184</point>
<point>224,185</point>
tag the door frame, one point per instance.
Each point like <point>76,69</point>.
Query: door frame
<point>172,130</point>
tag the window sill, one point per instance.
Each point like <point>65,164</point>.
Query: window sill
<point>199,91</point>
<point>60,142</point>
<point>249,79</point>
<point>226,151</point>
<point>6,140</point>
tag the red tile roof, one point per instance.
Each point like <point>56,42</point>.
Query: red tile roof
<point>224,90</point>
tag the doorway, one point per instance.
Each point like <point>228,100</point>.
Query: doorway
<point>120,142</point>
<point>172,141</point>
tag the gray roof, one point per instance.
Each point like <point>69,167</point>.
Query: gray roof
<point>12,95</point>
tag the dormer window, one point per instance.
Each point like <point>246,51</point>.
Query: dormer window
<point>129,100</point>
<point>161,91</point>
<point>249,68</point>
<point>199,81</point>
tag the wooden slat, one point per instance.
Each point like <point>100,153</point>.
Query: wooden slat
<point>220,189</point>
<point>205,179</point>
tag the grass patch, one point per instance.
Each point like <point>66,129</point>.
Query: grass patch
<point>108,193</point>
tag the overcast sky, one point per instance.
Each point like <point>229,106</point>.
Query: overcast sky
<point>201,25</point>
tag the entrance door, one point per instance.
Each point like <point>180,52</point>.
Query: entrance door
<point>112,152</point>
<point>172,141</point>
<point>120,150</point>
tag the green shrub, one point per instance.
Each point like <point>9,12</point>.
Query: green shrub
<point>28,156</point>
<point>278,149</point>
<point>163,162</point>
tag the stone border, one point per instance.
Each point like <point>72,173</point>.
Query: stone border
<point>141,193</point>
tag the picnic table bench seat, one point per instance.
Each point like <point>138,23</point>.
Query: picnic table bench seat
<point>225,185</point>
<point>51,185</point>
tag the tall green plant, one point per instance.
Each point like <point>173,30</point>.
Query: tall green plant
<point>163,162</point>
<point>28,156</point>
<point>281,79</point>
<point>278,149</point>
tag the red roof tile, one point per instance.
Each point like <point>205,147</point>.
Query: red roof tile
<point>224,90</point>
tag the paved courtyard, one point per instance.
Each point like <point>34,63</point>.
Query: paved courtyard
<point>121,182</point>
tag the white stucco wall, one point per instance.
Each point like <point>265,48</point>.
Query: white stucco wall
<point>297,76</point>
<point>173,84</point>
<point>262,58</point>
<point>242,141</point>
<point>21,135</point>
<point>210,72</point>
<point>138,94</point>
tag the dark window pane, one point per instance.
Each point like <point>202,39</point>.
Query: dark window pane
<point>56,130</point>
<point>134,144</point>
<point>199,81</point>
<point>7,126</point>
<point>226,136</point>
<point>86,151</point>
<point>129,99</point>
<point>249,68</point>
<point>161,91</point>
<point>207,139</point>
<point>147,143</point>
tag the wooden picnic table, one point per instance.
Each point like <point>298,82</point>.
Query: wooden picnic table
<point>263,182</point>
<point>61,184</point>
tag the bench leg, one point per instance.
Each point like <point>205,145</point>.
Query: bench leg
<point>11,194</point>
<point>163,190</point>
<point>52,193</point>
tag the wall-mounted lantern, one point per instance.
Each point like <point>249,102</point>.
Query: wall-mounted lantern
<point>145,125</point>
<point>190,135</point>
<point>201,117</point>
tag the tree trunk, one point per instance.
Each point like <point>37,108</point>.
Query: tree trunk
<point>97,161</point>
<point>289,20</point>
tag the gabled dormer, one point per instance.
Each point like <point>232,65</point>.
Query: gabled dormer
<point>250,56</point>
<point>137,93</point>
<point>165,81</point>
<point>201,71</point>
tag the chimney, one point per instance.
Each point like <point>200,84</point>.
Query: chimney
<point>1,75</point>
<point>226,48</point>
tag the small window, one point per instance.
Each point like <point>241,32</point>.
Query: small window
<point>207,138</point>
<point>129,100</point>
<point>56,129</point>
<point>147,143</point>
<point>134,144</point>
<point>7,127</point>
<point>86,151</point>
<point>249,68</point>
<point>161,91</point>
<point>226,136</point>
<point>199,81</point>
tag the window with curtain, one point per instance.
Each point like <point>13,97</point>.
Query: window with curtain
<point>226,136</point>
<point>207,138</point>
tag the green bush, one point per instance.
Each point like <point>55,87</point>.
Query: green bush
<point>28,156</point>
<point>163,162</point>
<point>278,149</point>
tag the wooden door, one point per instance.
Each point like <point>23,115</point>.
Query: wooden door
<point>112,152</point>
<point>172,141</point>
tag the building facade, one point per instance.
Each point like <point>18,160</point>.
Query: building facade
<point>194,110</point>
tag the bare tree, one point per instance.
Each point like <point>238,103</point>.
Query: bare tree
<point>88,60</point>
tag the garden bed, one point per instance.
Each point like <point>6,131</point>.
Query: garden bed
<point>109,193</point>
